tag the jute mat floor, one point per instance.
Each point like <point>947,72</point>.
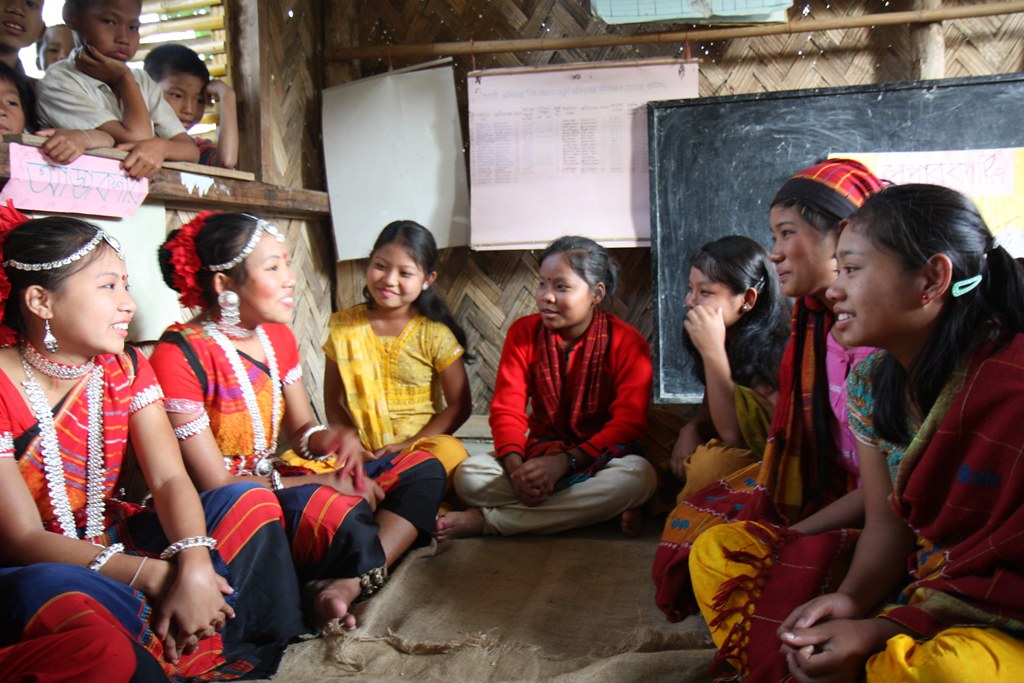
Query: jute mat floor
<point>572,607</point>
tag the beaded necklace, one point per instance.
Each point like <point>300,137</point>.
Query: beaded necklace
<point>53,463</point>
<point>264,446</point>
<point>51,369</point>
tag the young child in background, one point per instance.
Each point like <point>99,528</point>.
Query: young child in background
<point>14,94</point>
<point>391,358</point>
<point>55,46</point>
<point>735,331</point>
<point>21,24</point>
<point>100,102</point>
<point>569,410</point>
<point>185,82</point>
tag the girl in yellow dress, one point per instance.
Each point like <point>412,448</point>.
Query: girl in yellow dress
<point>390,360</point>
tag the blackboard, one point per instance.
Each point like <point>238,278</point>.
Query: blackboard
<point>717,162</point>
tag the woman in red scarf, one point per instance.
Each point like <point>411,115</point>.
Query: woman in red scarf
<point>937,418</point>
<point>575,458</point>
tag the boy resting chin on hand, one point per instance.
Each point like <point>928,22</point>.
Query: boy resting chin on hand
<point>92,99</point>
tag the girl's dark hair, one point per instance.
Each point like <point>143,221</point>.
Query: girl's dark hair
<point>822,221</point>
<point>760,335</point>
<point>44,240</point>
<point>222,237</point>
<point>421,247</point>
<point>916,222</point>
<point>172,59</point>
<point>589,260</point>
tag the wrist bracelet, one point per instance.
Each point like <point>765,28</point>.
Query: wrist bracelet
<point>574,464</point>
<point>304,444</point>
<point>104,556</point>
<point>275,481</point>
<point>186,543</point>
<point>138,570</point>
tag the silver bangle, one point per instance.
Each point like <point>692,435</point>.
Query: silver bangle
<point>275,481</point>
<point>194,426</point>
<point>186,543</point>
<point>304,444</point>
<point>138,570</point>
<point>104,556</point>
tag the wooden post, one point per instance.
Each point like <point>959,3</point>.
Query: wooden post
<point>929,44</point>
<point>340,30</point>
<point>249,42</point>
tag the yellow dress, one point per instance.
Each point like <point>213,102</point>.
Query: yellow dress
<point>392,384</point>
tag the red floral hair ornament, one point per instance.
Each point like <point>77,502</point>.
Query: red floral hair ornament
<point>185,261</point>
<point>10,218</point>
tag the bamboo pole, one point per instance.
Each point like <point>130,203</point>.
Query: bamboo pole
<point>344,54</point>
<point>170,6</point>
<point>205,22</point>
<point>929,45</point>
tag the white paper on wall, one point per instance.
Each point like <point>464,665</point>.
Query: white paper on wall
<point>394,150</point>
<point>564,151</point>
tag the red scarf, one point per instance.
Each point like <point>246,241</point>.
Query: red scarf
<point>582,381</point>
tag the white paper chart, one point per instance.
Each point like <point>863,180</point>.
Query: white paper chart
<point>565,152</point>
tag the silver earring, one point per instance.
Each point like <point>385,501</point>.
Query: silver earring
<point>425,286</point>
<point>49,341</point>
<point>745,308</point>
<point>228,302</point>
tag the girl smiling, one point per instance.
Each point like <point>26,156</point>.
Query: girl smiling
<point>574,458</point>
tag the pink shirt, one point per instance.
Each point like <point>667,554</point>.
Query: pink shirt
<point>839,362</point>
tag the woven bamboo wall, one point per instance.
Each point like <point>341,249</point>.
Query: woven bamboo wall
<point>490,290</point>
<point>292,157</point>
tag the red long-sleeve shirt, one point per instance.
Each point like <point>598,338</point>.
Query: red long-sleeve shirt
<point>625,392</point>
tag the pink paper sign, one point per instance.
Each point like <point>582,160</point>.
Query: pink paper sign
<point>89,185</point>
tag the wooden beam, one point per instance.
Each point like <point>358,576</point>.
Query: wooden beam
<point>251,80</point>
<point>929,45</point>
<point>187,189</point>
<point>676,37</point>
<point>37,141</point>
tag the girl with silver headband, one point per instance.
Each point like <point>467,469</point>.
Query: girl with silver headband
<point>72,395</point>
<point>233,382</point>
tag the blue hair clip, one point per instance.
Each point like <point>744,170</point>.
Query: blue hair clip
<point>963,286</point>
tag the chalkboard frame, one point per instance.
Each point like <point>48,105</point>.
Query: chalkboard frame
<point>716,163</point>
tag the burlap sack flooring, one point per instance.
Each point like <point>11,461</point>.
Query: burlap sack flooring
<point>571,607</point>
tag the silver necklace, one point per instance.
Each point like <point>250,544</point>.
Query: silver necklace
<point>53,464</point>
<point>51,369</point>
<point>263,446</point>
<point>233,331</point>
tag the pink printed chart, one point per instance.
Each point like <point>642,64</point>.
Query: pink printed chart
<point>90,185</point>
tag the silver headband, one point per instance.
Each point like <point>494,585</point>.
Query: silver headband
<point>100,236</point>
<point>261,227</point>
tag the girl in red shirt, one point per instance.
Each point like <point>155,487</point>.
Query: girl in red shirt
<point>575,457</point>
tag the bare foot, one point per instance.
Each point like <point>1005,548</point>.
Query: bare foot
<point>632,522</point>
<point>330,599</point>
<point>459,524</point>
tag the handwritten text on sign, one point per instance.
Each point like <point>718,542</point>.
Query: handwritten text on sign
<point>90,185</point>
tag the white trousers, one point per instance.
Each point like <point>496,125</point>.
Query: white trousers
<point>625,482</point>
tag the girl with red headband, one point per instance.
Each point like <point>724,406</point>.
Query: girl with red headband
<point>808,476</point>
<point>233,383</point>
<point>182,581</point>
